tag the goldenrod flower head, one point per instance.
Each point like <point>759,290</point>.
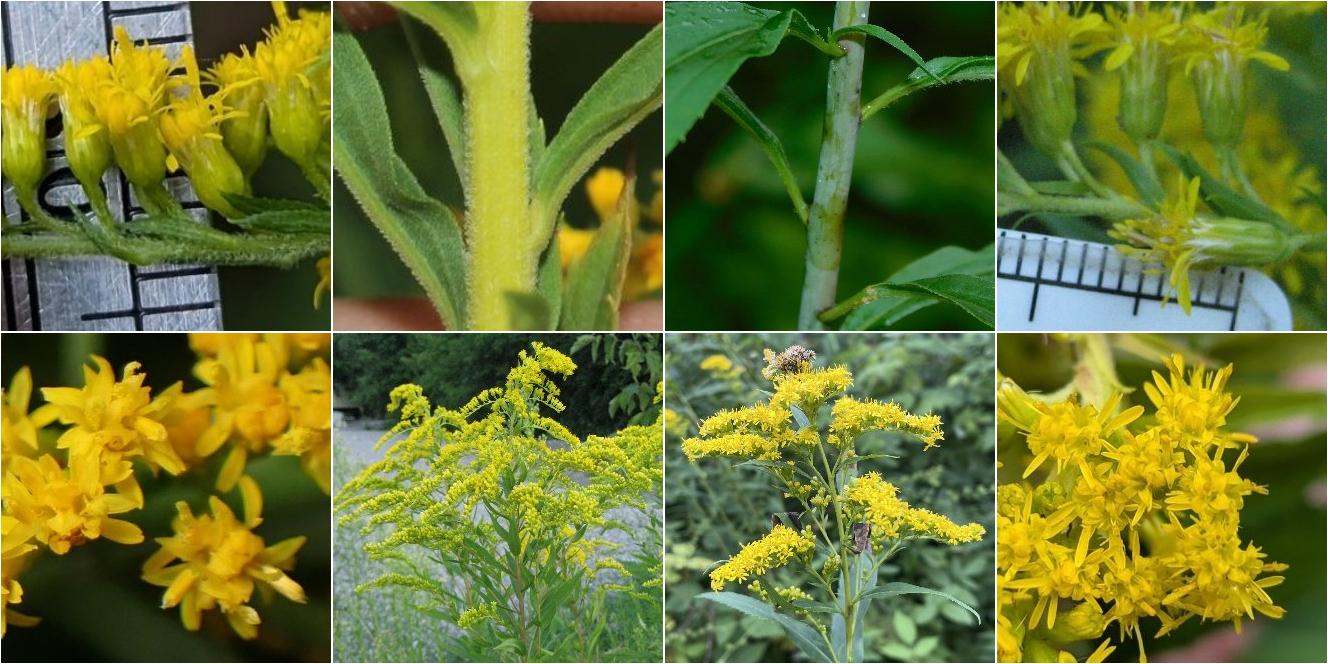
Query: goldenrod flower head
<point>294,66</point>
<point>128,104</point>
<point>1194,411</point>
<point>744,445</point>
<point>781,545</point>
<point>1166,238</point>
<point>573,243</point>
<point>309,395</point>
<point>1215,48</point>
<point>65,507</point>
<point>645,271</point>
<point>112,422</point>
<point>810,389</point>
<point>1141,39</point>
<point>190,129</point>
<point>878,503</point>
<point>26,102</point>
<point>475,615</point>
<point>850,418</point>
<point>18,553</point>
<point>1037,51</point>
<point>20,426</point>
<point>220,562</point>
<point>244,127</point>
<point>604,188</point>
<point>208,344</point>
<point>1069,432</point>
<point>87,143</point>
<point>251,410</point>
<point>720,366</point>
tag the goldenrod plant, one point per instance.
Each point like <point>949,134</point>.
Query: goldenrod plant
<point>1122,522</point>
<point>524,518</point>
<point>1179,132</point>
<point>851,523</point>
<point>498,265</point>
<point>709,41</point>
<point>151,116</point>
<point>76,468</point>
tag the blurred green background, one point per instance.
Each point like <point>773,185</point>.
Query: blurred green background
<point>713,507</point>
<point>93,605</point>
<point>1280,382</point>
<point>923,175</point>
<point>565,60</point>
<point>1286,114</point>
<point>260,298</point>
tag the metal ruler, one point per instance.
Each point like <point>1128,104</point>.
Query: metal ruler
<point>99,293</point>
<point>1052,284</point>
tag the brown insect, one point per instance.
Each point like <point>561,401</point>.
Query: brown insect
<point>861,537</point>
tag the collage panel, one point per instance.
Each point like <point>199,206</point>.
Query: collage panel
<point>1161,166</point>
<point>829,498</point>
<point>166,166</point>
<point>166,497</point>
<point>499,166</point>
<point>830,165</point>
<point>498,498</point>
<point>1161,497</point>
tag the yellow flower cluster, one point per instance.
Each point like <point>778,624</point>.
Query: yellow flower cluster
<point>258,390</point>
<point>781,545</point>
<point>130,109</point>
<point>645,269</point>
<point>500,472</point>
<point>850,418</point>
<point>877,503</point>
<point>1131,522</point>
<point>720,367</point>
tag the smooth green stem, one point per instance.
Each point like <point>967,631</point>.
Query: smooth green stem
<point>1073,167</point>
<point>834,172</point>
<point>502,252</point>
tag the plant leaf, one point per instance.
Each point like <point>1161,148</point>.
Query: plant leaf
<point>594,281</point>
<point>973,294</point>
<point>1145,183</point>
<point>893,40</point>
<point>804,636</point>
<point>879,304</point>
<point>419,228</point>
<point>939,71</point>
<point>455,22</point>
<point>897,588</point>
<point>707,43</point>
<point>728,101</point>
<point>316,221</point>
<point>549,284</point>
<point>624,95</point>
<point>446,103</point>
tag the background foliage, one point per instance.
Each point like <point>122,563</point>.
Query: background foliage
<point>922,175</point>
<point>713,508</point>
<point>1280,381</point>
<point>93,605</point>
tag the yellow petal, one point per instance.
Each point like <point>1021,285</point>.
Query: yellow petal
<point>1118,56</point>
<point>121,531</point>
<point>232,469</point>
<point>181,585</point>
<point>253,501</point>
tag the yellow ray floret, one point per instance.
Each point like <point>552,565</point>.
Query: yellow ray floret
<point>781,545</point>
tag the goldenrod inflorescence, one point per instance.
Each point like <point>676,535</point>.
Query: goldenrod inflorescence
<point>1125,518</point>
<point>62,491</point>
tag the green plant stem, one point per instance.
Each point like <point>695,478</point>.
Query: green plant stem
<point>1073,167</point>
<point>834,172</point>
<point>503,254</point>
<point>1113,209</point>
<point>240,249</point>
<point>319,176</point>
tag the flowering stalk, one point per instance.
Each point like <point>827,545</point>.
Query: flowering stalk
<point>834,172</point>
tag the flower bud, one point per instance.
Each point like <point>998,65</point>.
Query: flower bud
<point>1016,406</point>
<point>1216,48</point>
<point>127,106</point>
<point>244,131</point>
<point>87,145</point>
<point>1142,55</point>
<point>1082,623</point>
<point>188,127</point>
<point>294,67</point>
<point>26,102</point>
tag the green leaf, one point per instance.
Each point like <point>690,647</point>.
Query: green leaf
<point>897,588</point>
<point>549,284</point>
<point>939,71</point>
<point>707,43</point>
<point>881,305</point>
<point>419,228</point>
<point>893,40</point>
<point>905,628</point>
<point>446,101</point>
<point>729,102</point>
<point>455,22</point>
<point>247,205</point>
<point>1144,181</point>
<point>806,638</point>
<point>623,96</point>
<point>975,295</point>
<point>800,417</point>
<point>292,221</point>
<point>594,282</point>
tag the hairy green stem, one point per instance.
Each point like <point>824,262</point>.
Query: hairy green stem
<point>274,250</point>
<point>1114,209</point>
<point>503,261</point>
<point>834,172</point>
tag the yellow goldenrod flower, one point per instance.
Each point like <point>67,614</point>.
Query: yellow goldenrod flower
<point>113,422</point>
<point>26,101</point>
<point>1037,51</point>
<point>250,409</point>
<point>65,507</point>
<point>573,243</point>
<point>244,124</point>
<point>294,66</point>
<point>18,553</point>
<point>128,106</point>
<point>1195,411</point>
<point>645,271</point>
<point>477,614</point>
<point>186,419</point>
<point>20,426</point>
<point>851,418</point>
<point>208,344</point>
<point>189,127</point>
<point>604,188</point>
<point>87,143</point>
<point>220,562</point>
<point>810,389</point>
<point>1070,432</point>
<point>780,546</point>
<point>1141,39</point>
<point>878,504</point>
<point>309,394</point>
<point>1215,48</point>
